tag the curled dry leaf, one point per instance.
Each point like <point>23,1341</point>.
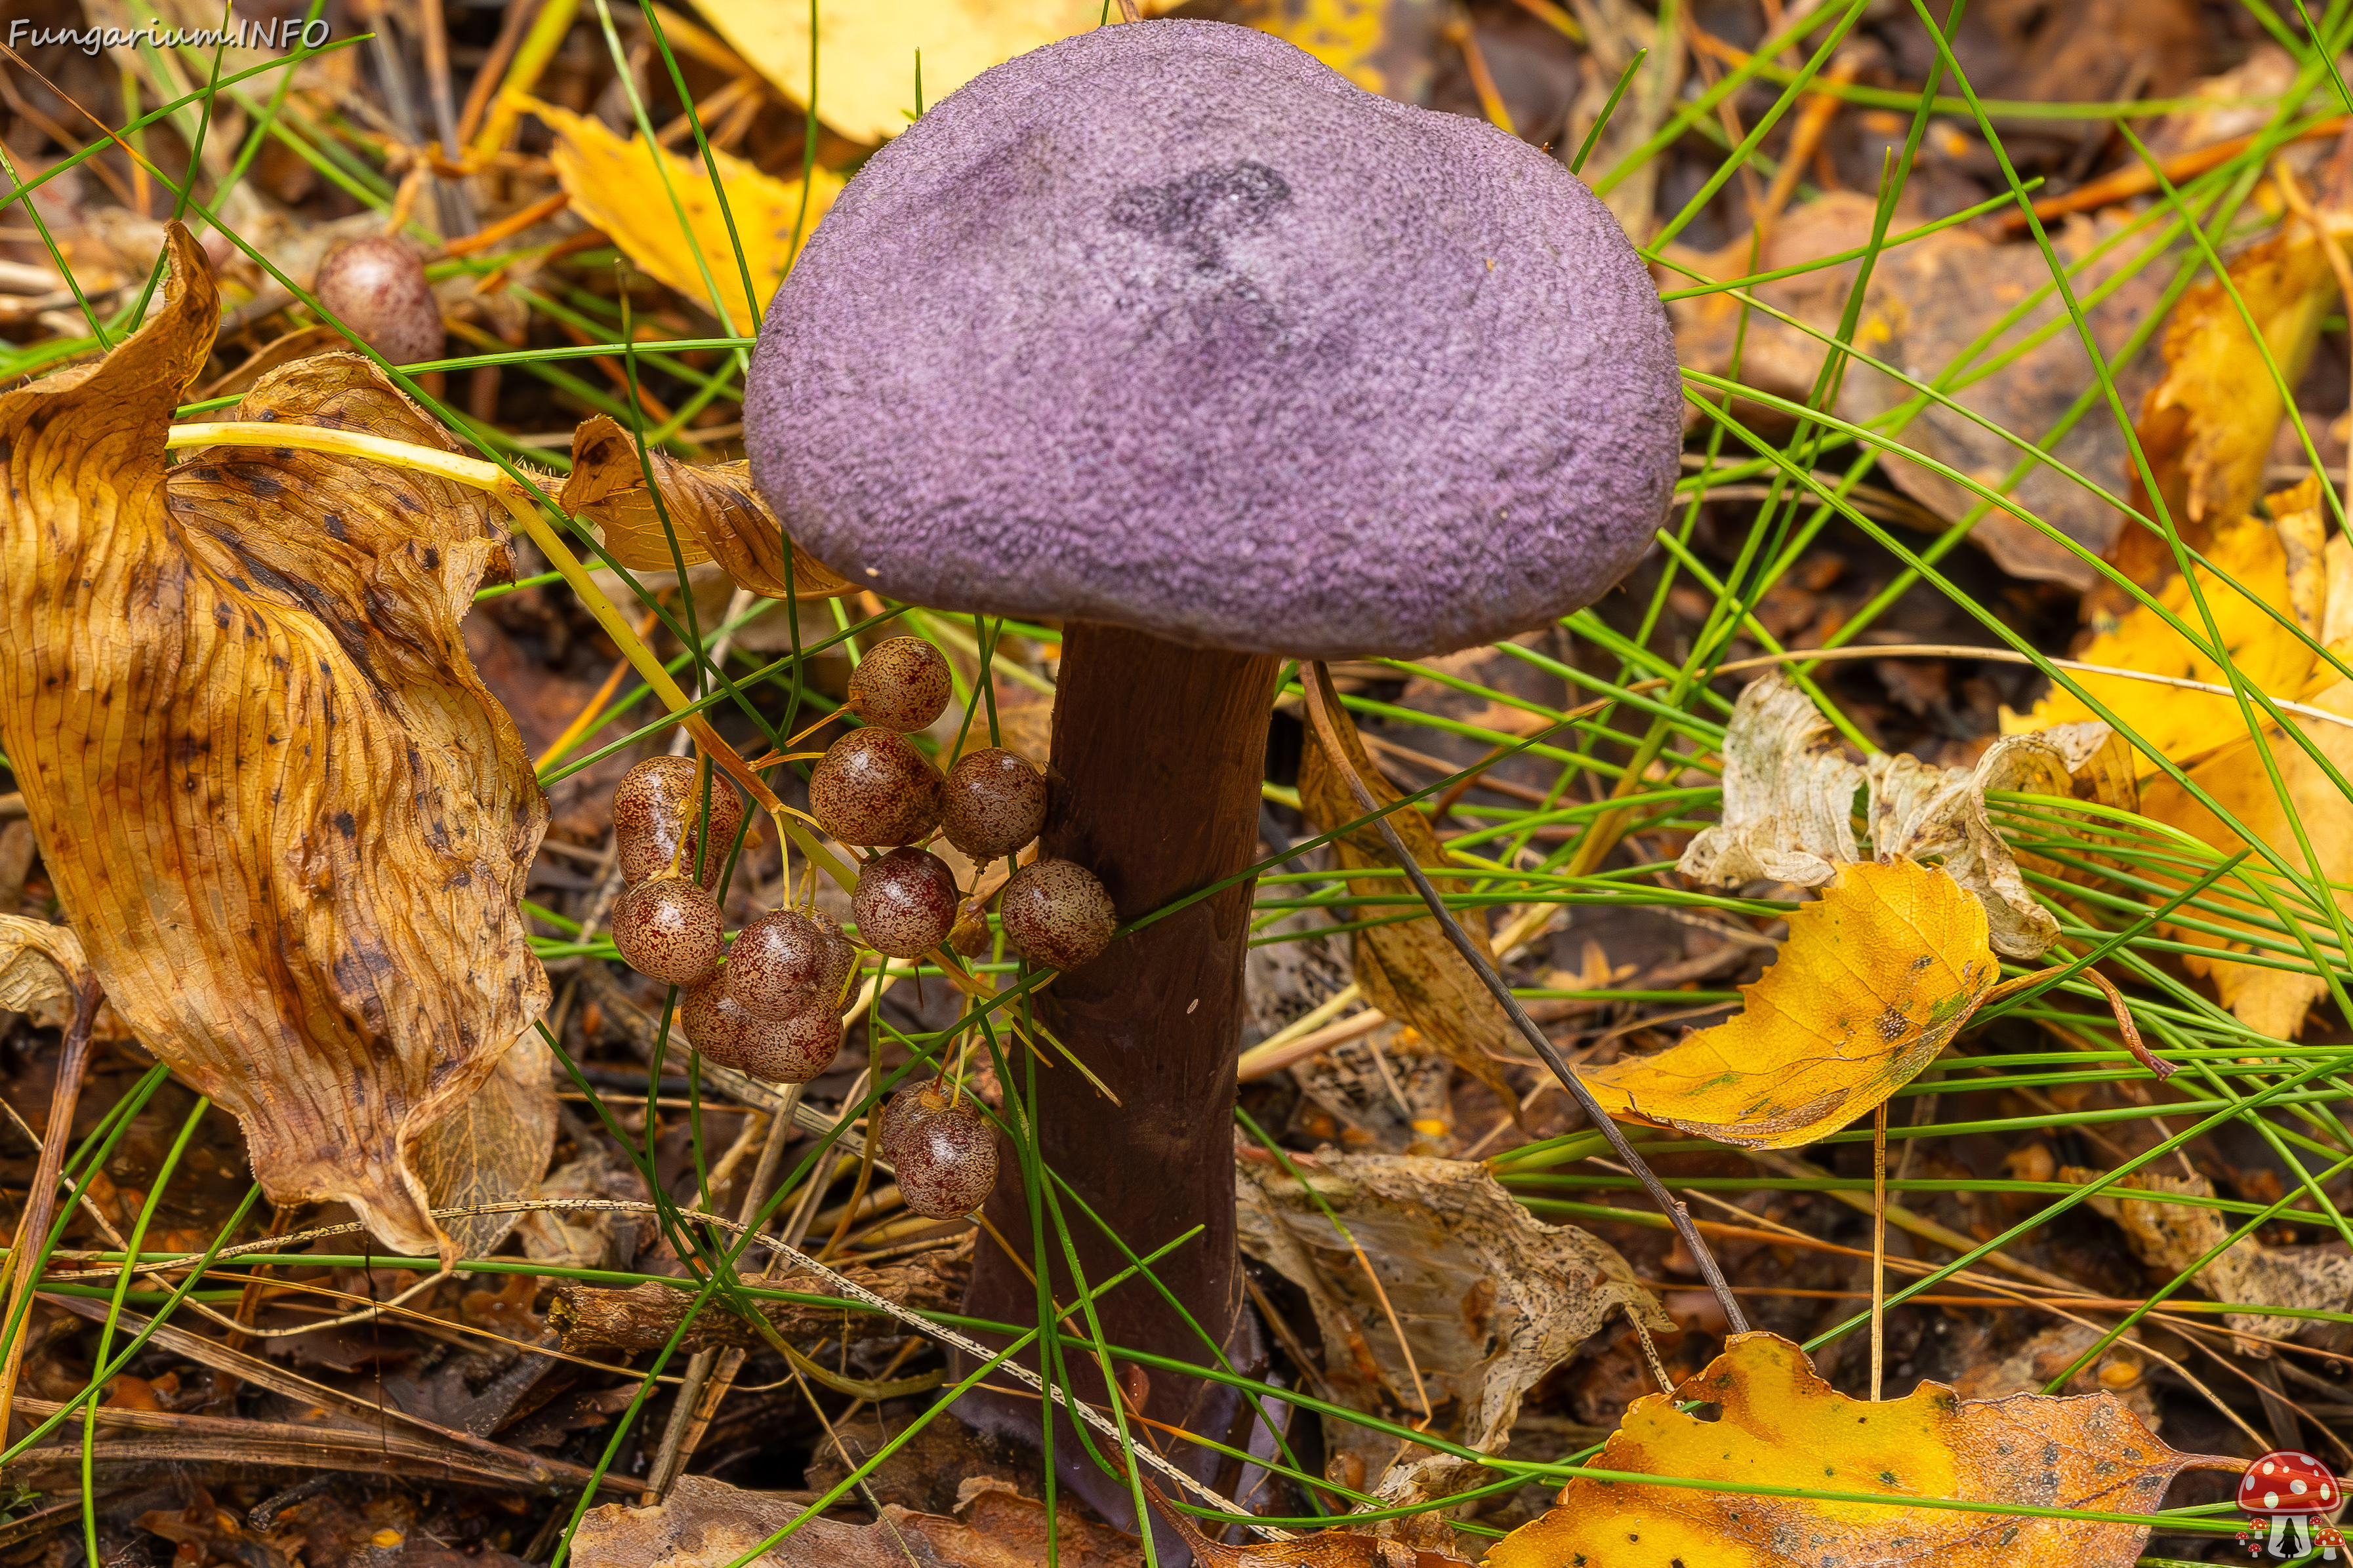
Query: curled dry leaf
<point>715,514</point>
<point>1878,975</point>
<point>41,965</point>
<point>1408,969</point>
<point>867,86</point>
<point>1788,803</point>
<point>1490,1299</point>
<point>1781,1426</point>
<point>625,189</point>
<point>283,814</point>
<point>2174,1236</point>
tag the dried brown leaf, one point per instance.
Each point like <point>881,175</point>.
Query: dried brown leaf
<point>40,964</point>
<point>1491,1297</point>
<point>281,811</point>
<point>2174,1236</point>
<point>715,514</point>
<point>493,1149</point>
<point>1408,969</point>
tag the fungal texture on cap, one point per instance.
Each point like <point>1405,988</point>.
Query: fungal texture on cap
<point>1170,326</point>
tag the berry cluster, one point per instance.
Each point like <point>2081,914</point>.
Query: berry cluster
<point>873,788</point>
<point>944,1149</point>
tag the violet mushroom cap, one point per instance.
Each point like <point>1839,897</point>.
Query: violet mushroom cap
<point>1169,326</point>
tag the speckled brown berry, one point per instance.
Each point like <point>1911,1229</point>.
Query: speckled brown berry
<point>795,1049</point>
<point>946,1160</point>
<point>1056,913</point>
<point>901,685</point>
<point>776,963</point>
<point>994,802</point>
<point>377,288</point>
<point>873,788</point>
<point>901,1110</point>
<point>905,902</point>
<point>668,929</point>
<point>840,958</point>
<point>783,1050</point>
<point>652,799</point>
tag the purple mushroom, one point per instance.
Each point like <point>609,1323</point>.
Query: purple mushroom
<point>1171,334</point>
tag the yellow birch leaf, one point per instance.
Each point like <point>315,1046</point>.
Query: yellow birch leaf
<point>284,817</point>
<point>715,512</point>
<point>2279,564</point>
<point>1388,46</point>
<point>1877,977</point>
<point>618,187</point>
<point>1779,1424</point>
<point>866,48</point>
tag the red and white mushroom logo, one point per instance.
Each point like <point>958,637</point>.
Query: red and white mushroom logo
<point>2293,1490</point>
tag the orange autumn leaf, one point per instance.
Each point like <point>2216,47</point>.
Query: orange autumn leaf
<point>1779,1424</point>
<point>285,818</point>
<point>1877,977</point>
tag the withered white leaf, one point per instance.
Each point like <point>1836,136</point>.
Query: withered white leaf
<point>281,810</point>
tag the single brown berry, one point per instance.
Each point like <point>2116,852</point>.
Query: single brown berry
<point>783,1050</point>
<point>775,968</point>
<point>901,1112</point>
<point>901,685</point>
<point>873,788</point>
<point>946,1160</point>
<point>652,799</point>
<point>668,929</point>
<point>994,803</point>
<point>1056,913</point>
<point>905,902</point>
<point>376,287</point>
<point>795,1049</point>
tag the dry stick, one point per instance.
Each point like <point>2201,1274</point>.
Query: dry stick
<point>1878,1248</point>
<point>1322,699</point>
<point>40,1204</point>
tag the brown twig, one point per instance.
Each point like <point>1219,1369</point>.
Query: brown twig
<point>1321,700</point>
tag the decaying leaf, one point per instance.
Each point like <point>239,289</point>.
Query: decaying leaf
<point>41,966</point>
<point>866,85</point>
<point>2279,564</point>
<point>1788,805</point>
<point>619,188</point>
<point>1490,1297</point>
<point>492,1149</point>
<point>2207,428</point>
<point>706,1523</point>
<point>714,513</point>
<point>1778,1423</point>
<point>1323,1549</point>
<point>1928,300</point>
<point>1388,46</point>
<point>1407,969</point>
<point>1878,975</point>
<point>284,815</point>
<point>2174,1236</point>
<point>1789,794</point>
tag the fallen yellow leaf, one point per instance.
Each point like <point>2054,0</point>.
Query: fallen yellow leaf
<point>619,186</point>
<point>282,813</point>
<point>714,512</point>
<point>866,48</point>
<point>1877,977</point>
<point>2256,564</point>
<point>1779,1424</point>
<point>1388,46</point>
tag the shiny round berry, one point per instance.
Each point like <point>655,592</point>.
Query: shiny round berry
<point>376,287</point>
<point>873,788</point>
<point>901,685</point>
<point>668,929</point>
<point>783,1050</point>
<point>775,967</point>
<point>1056,913</point>
<point>653,798</point>
<point>995,804</point>
<point>901,1112</point>
<point>906,903</point>
<point>946,1161</point>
